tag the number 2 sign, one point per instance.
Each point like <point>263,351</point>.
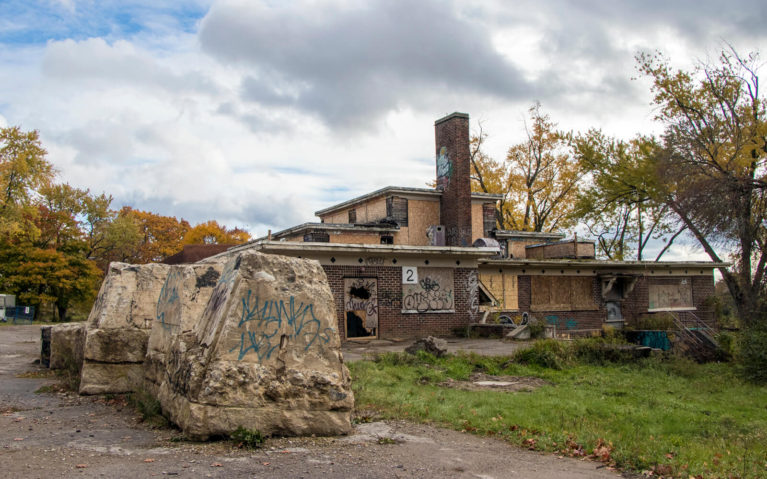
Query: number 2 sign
<point>409,275</point>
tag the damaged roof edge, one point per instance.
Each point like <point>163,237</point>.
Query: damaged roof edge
<point>376,228</point>
<point>404,190</point>
<point>340,248</point>
<point>599,263</point>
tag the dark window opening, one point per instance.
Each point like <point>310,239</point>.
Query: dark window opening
<point>488,219</point>
<point>316,237</point>
<point>352,216</point>
<point>387,239</point>
<point>396,209</point>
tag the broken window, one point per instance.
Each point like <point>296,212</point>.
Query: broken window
<point>396,209</point>
<point>488,219</point>
<point>352,216</point>
<point>503,286</point>
<point>361,307</point>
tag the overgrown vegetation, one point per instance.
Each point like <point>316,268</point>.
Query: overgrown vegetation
<point>149,408</point>
<point>248,438</point>
<point>667,415</point>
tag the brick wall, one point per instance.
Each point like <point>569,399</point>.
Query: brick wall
<point>636,304</point>
<point>392,323</point>
<point>702,287</point>
<point>577,322</point>
<point>452,133</point>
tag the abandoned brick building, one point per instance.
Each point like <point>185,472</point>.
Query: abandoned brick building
<point>408,262</point>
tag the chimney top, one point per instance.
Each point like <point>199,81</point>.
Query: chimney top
<point>451,116</point>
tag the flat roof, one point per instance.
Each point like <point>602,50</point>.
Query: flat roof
<point>402,190</point>
<point>354,248</point>
<point>363,228</point>
<point>527,234</point>
<point>600,263</point>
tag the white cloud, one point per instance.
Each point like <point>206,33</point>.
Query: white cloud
<point>260,113</point>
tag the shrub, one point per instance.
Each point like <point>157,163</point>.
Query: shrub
<point>536,328</point>
<point>249,438</point>
<point>548,353</point>
<point>752,354</point>
<point>654,322</point>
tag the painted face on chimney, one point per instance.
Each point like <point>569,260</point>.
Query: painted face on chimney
<point>444,169</point>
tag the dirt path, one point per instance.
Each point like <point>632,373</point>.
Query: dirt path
<point>50,435</point>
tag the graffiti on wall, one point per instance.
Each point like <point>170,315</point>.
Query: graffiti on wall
<point>472,288</point>
<point>268,324</point>
<point>433,292</point>
<point>444,169</point>
<point>567,323</point>
<point>361,306</point>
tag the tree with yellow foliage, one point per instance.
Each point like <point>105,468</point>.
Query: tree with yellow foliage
<point>213,233</point>
<point>539,178</point>
<point>712,165</point>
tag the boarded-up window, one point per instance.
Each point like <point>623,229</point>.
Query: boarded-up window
<point>434,292</point>
<point>562,293</point>
<point>664,297</point>
<point>503,286</point>
<point>396,209</point>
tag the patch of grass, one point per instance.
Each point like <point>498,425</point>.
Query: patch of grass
<point>149,408</point>
<point>665,415</point>
<point>248,438</point>
<point>50,389</point>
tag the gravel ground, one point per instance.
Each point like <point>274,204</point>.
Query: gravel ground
<point>57,434</point>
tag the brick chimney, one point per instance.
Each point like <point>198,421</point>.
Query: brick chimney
<point>453,169</point>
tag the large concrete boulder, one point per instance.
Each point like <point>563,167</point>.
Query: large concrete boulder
<point>179,308</point>
<point>67,344</point>
<point>118,328</point>
<point>265,356</point>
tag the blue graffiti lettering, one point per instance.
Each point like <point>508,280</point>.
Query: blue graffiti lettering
<point>295,321</point>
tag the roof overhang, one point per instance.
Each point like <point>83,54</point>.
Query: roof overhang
<point>604,266</point>
<point>294,247</point>
<point>402,191</point>
<point>344,227</point>
<point>527,235</point>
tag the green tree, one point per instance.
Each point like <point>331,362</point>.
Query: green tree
<point>622,205</point>
<point>713,164</point>
<point>23,170</point>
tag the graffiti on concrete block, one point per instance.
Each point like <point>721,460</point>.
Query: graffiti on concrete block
<point>433,292</point>
<point>269,324</point>
<point>169,303</point>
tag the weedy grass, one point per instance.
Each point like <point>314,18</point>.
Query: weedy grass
<point>666,415</point>
<point>149,408</point>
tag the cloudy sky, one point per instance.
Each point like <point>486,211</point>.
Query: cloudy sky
<point>258,113</point>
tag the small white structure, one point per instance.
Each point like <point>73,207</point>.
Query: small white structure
<point>6,301</point>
